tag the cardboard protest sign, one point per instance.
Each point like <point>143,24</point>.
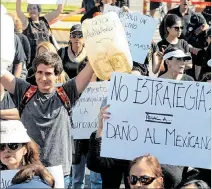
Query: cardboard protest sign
<point>106,45</point>
<point>139,29</point>
<point>86,112</point>
<point>46,2</point>
<point>56,171</point>
<point>165,118</point>
<point>7,40</point>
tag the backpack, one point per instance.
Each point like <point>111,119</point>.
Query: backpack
<point>31,91</point>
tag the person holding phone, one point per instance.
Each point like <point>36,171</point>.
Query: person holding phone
<point>173,30</point>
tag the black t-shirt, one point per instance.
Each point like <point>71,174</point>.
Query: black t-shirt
<point>182,44</point>
<point>203,57</point>
<point>7,102</point>
<point>36,33</point>
<point>19,57</point>
<point>26,46</point>
<point>70,67</point>
<point>90,13</point>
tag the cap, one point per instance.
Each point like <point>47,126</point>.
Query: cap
<point>76,27</point>
<point>13,131</point>
<point>177,54</point>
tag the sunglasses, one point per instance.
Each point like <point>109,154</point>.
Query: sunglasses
<point>177,28</point>
<point>76,35</point>
<point>11,146</point>
<point>144,180</point>
<point>181,59</point>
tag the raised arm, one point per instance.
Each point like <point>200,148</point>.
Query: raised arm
<point>21,15</point>
<point>156,63</point>
<point>8,81</point>
<point>83,78</point>
<point>9,114</point>
<point>54,14</point>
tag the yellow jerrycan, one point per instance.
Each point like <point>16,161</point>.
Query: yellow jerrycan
<point>106,45</point>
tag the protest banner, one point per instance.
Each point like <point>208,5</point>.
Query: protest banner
<point>56,171</point>
<point>163,117</point>
<point>86,111</point>
<point>45,2</point>
<point>139,29</point>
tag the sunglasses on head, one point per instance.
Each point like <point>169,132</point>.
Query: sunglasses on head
<point>144,180</point>
<point>76,35</point>
<point>11,146</point>
<point>177,28</point>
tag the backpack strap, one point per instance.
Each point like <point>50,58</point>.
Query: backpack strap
<point>29,93</point>
<point>64,98</point>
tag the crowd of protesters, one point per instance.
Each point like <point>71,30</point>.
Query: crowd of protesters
<point>37,117</point>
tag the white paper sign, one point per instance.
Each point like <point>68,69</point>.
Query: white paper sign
<point>86,111</point>
<point>139,29</point>
<point>45,2</point>
<point>7,39</point>
<point>56,171</point>
<point>166,118</point>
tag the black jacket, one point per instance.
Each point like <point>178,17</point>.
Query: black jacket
<point>111,170</point>
<point>80,147</point>
<point>96,9</point>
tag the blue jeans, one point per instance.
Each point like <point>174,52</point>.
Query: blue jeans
<point>96,180</point>
<point>67,181</point>
<point>78,175</point>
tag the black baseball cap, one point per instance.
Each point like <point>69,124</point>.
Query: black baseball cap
<point>76,27</point>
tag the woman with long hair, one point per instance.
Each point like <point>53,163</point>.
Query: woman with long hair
<point>173,29</point>
<point>18,150</point>
<point>34,176</point>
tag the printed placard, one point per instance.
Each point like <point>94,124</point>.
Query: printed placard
<point>86,112</point>
<point>165,118</point>
<point>139,29</point>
